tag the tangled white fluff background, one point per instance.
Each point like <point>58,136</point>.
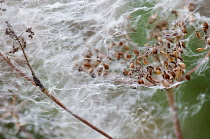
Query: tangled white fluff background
<point>63,30</point>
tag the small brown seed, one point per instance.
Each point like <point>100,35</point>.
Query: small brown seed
<point>106,66</point>
<point>138,62</point>
<point>126,47</point>
<point>200,49</point>
<point>132,65</point>
<point>145,62</point>
<point>125,72</point>
<point>154,50</point>
<point>187,77</point>
<point>198,34</point>
<point>183,44</point>
<point>205,27</point>
<point>182,65</point>
<point>86,64</point>
<point>128,56</point>
<point>166,76</point>
<point>157,72</point>
<point>140,81</point>
<point>136,52</point>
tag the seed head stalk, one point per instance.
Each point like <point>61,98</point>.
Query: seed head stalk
<point>171,101</point>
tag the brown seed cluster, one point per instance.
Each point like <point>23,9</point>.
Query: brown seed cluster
<point>10,32</point>
<point>94,63</point>
<point>159,64</point>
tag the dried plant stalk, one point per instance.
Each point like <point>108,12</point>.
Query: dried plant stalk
<point>53,98</point>
<point>176,123</point>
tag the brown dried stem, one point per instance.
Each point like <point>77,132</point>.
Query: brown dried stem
<point>176,123</point>
<point>46,92</point>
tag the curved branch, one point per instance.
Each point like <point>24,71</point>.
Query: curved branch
<point>59,103</point>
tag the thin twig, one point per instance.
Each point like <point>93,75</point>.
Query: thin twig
<point>21,46</point>
<point>176,123</point>
<point>46,92</point>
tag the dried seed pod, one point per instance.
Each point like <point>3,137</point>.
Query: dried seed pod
<point>164,53</point>
<point>128,56</point>
<point>120,43</point>
<point>139,58</point>
<point>97,63</point>
<point>182,65</point>
<point>175,54</point>
<point>187,77</point>
<point>145,61</point>
<point>166,76</point>
<point>171,58</point>
<point>140,81</point>
<point>108,57</point>
<point>169,45</point>
<point>126,47</point>
<point>130,73</point>
<point>106,66</point>
<point>170,40</point>
<point>178,72</point>
<point>200,49</point>
<point>183,44</point>
<point>184,30</point>
<point>158,68</point>
<point>165,64</point>
<point>159,39</point>
<point>154,50</point>
<point>173,74</point>
<point>125,72</point>
<point>132,66</point>
<point>205,27</point>
<point>87,64</point>
<point>150,67</point>
<point>174,12</point>
<point>138,62</point>
<point>117,56</point>
<point>198,34</point>
<point>136,52</point>
<point>157,72</point>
